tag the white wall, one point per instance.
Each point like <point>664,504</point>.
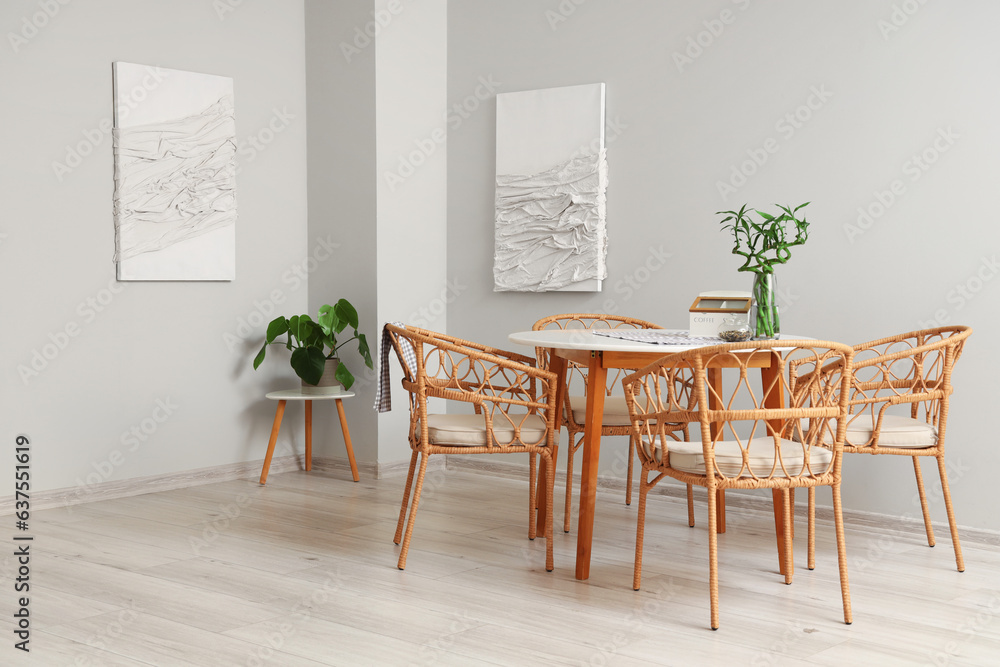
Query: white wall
<point>142,343</point>
<point>676,129</point>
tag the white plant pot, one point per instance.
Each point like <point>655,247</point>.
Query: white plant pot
<point>328,383</point>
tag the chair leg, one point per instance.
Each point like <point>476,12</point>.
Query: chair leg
<point>811,528</point>
<point>550,481</point>
<point>413,512</point>
<point>640,529</point>
<point>959,561</point>
<point>713,558</point>
<point>406,498</point>
<point>631,460</point>
<point>690,494</point>
<point>789,569</point>
<point>532,499</point>
<point>838,520</point>
<point>570,450</point>
<point>923,501</point>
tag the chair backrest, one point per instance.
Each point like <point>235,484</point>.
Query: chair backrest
<point>770,431</point>
<point>914,369</point>
<point>503,386</point>
<point>576,375</point>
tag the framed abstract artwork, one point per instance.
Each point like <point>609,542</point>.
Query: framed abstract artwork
<point>175,174</point>
<point>551,184</point>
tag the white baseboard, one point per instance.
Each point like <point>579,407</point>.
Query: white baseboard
<point>752,501</point>
<point>110,490</point>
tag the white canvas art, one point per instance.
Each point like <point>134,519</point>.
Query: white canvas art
<point>175,174</point>
<point>551,184</point>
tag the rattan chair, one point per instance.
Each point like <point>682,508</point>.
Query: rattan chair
<point>767,439</point>
<point>615,420</point>
<point>912,369</point>
<point>513,403</point>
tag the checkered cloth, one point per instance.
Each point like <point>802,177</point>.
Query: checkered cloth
<point>383,392</point>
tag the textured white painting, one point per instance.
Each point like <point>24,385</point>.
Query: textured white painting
<point>175,174</point>
<point>552,178</point>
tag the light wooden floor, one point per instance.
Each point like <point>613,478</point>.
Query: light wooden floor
<point>302,572</point>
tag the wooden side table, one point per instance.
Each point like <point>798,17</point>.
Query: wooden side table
<point>286,395</point>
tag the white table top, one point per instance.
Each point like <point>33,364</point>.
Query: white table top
<point>297,395</point>
<point>584,339</point>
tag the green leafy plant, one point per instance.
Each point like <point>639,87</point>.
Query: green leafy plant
<point>762,245</point>
<point>766,243</point>
<point>310,341</point>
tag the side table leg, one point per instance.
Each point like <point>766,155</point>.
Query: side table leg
<point>274,438</point>
<point>347,439</point>
<point>309,435</point>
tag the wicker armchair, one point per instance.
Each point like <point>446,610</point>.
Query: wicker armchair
<point>744,443</point>
<point>513,403</point>
<point>616,419</point>
<point>912,369</point>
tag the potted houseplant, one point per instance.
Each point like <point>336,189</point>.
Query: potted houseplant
<point>763,245</point>
<point>315,347</point>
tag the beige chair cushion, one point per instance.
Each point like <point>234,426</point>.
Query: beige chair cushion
<point>897,431</point>
<point>470,430</point>
<point>688,457</point>
<point>615,410</point>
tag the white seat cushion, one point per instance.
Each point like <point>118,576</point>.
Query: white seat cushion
<point>688,457</point>
<point>897,431</point>
<point>470,430</point>
<point>615,410</point>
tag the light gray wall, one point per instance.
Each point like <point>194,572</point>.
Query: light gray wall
<point>411,85</point>
<point>340,65</point>
<point>676,129</point>
<point>138,344</point>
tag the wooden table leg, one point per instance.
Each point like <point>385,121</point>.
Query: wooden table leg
<point>347,438</point>
<point>309,435</point>
<point>596,389</point>
<point>558,366</point>
<point>274,438</point>
<point>774,397</point>
<point>715,382</point>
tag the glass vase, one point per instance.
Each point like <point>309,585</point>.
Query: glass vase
<point>765,324</point>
